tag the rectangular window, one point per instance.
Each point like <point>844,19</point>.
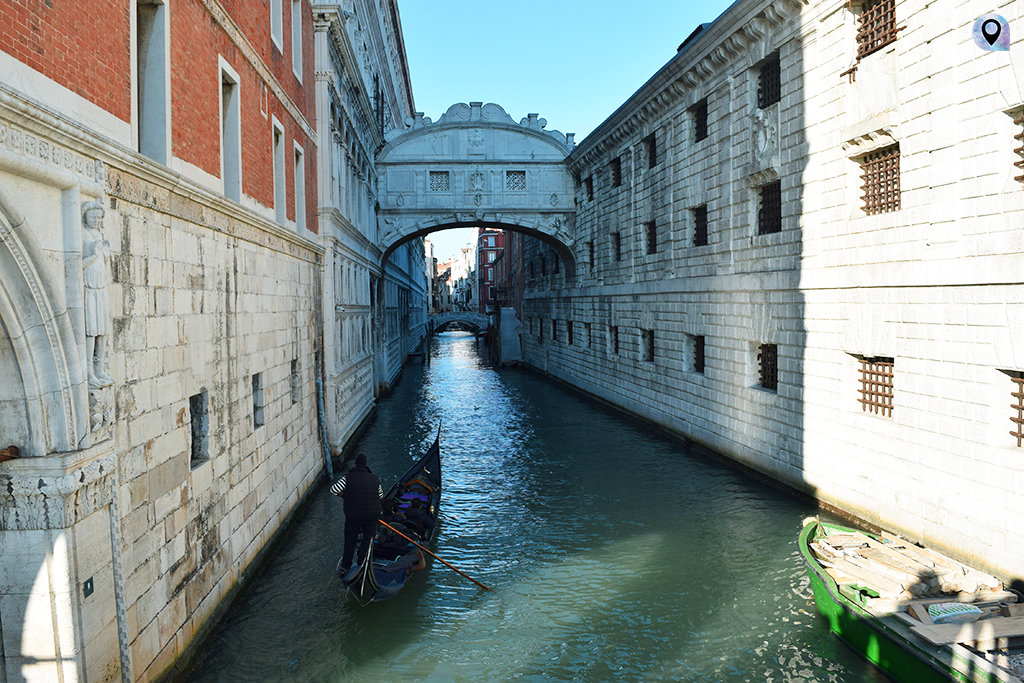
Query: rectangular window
<point>769,86</point>
<point>280,207</point>
<point>769,210</point>
<point>152,66</point>
<point>491,255</point>
<point>647,337</point>
<point>768,366</point>
<point>540,329</point>
<point>590,253</point>
<point>554,330</point>
<point>490,241</point>
<point>877,26</point>
<point>230,134</point>
<point>880,172</point>
<point>876,385</point>
<point>616,172</point>
<point>700,120</point>
<point>440,181</point>
<point>300,190</point>
<point>697,342</point>
<point>588,184</point>
<point>617,245</point>
<point>531,325</point>
<point>1017,405</point>
<point>277,23</point>
<point>651,233</point>
<point>568,330</point>
<point>613,337</point>
<point>587,332</point>
<point>700,225</point>
<point>257,400</point>
<point>515,181</point>
<point>296,381</point>
<point>297,38</point>
<point>199,409</point>
<point>651,149</point>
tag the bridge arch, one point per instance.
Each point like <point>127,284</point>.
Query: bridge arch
<point>438,320</point>
<point>477,167</point>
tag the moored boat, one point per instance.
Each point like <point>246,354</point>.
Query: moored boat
<point>887,598</point>
<point>392,558</point>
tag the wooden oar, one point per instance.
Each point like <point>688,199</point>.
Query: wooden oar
<point>447,564</point>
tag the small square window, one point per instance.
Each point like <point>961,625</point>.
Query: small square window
<point>651,232</point>
<point>647,337</point>
<point>700,225</point>
<point>769,210</point>
<point>440,181</point>
<point>876,385</point>
<point>769,86</point>
<point>588,183</point>
<point>515,181</point>
<point>880,172</point>
<point>257,400</point>
<point>616,172</point>
<point>199,409</point>
<point>651,149</point>
<point>700,120</point>
<point>768,366</point>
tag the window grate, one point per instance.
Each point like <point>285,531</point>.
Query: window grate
<point>876,386</point>
<point>1018,121</point>
<point>700,226</point>
<point>1018,405</point>
<point>769,213</point>
<point>440,181</point>
<point>877,26</point>
<point>648,340</point>
<point>615,338</point>
<point>651,230</point>
<point>700,120</point>
<point>769,83</point>
<point>768,366</point>
<point>515,181</point>
<point>616,172</point>
<point>880,173</point>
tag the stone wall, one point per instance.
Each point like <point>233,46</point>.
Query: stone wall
<point>933,285</point>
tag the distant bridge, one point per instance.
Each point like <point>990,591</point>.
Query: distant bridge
<point>438,320</point>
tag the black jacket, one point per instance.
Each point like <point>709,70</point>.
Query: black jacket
<point>362,494</point>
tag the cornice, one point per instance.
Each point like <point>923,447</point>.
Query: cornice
<point>228,25</point>
<point>719,45</point>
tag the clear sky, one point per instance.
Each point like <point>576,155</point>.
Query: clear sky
<point>572,61</point>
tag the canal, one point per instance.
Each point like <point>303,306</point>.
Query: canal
<point>613,554</point>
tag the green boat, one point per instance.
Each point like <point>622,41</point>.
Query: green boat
<point>884,634</point>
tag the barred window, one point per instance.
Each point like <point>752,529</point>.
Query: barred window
<point>697,352</point>
<point>617,245</point>
<point>876,385</point>
<point>651,231</point>
<point>880,173</point>
<point>515,181</point>
<point>877,26</point>
<point>616,172</point>
<point>769,86</point>
<point>440,181</point>
<point>700,120</point>
<point>614,338</point>
<point>1018,120</point>
<point>700,225</point>
<point>769,211</point>
<point>1017,405</point>
<point>648,344</point>
<point>768,366</point>
<point>588,183</point>
<point>651,149</point>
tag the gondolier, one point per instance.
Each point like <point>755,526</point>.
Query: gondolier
<point>361,490</point>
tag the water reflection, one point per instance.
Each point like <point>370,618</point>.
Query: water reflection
<point>613,554</point>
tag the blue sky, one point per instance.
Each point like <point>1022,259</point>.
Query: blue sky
<point>571,61</point>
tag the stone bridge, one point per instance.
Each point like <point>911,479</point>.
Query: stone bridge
<point>477,167</point>
<point>437,320</point>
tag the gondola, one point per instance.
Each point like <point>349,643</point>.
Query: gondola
<point>385,570</point>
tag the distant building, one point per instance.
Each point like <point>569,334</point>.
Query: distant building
<point>509,281</point>
<point>489,245</point>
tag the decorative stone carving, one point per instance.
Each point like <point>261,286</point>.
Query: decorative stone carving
<point>476,142</point>
<point>101,410</point>
<point>96,272</point>
<point>476,179</point>
<point>765,134</point>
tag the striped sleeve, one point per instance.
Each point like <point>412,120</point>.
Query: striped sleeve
<point>339,486</point>
<point>380,491</point>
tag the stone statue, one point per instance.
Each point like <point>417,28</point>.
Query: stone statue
<point>96,271</point>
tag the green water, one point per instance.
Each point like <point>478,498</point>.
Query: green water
<point>613,554</point>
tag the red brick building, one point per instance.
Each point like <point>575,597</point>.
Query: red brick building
<point>489,245</point>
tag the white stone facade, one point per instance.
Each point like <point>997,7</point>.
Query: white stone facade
<point>934,285</point>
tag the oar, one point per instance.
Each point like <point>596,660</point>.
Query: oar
<point>447,564</point>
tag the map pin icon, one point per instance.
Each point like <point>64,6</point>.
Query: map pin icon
<point>990,30</point>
